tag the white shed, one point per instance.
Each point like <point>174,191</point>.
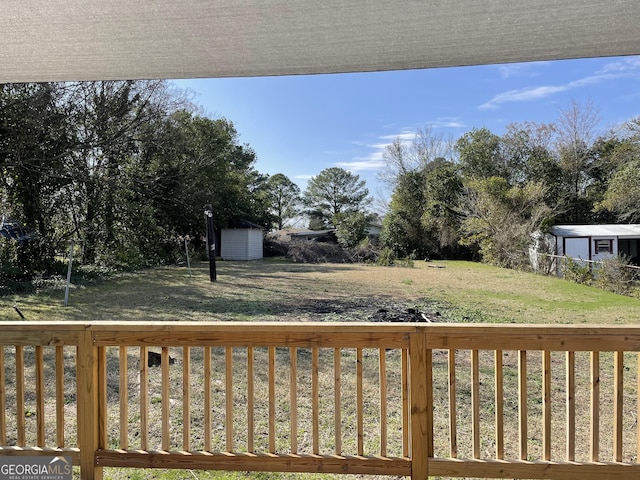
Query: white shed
<point>595,242</point>
<point>241,244</point>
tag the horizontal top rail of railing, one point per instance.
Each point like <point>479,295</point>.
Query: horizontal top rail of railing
<point>583,337</point>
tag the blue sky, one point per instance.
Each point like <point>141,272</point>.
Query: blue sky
<point>300,125</point>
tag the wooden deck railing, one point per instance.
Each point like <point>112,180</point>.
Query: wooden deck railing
<point>491,401</point>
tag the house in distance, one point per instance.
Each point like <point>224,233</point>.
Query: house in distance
<point>590,243</point>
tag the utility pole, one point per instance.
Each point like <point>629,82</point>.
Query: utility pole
<point>211,242</point>
<point>66,291</point>
<point>69,267</point>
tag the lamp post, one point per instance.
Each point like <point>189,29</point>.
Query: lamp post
<point>211,242</point>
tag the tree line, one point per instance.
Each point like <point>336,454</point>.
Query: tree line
<point>125,167</point>
<point>483,195</point>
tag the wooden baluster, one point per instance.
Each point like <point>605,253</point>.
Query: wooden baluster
<point>383,402</point>
<point>39,359</point>
<point>272,400</point>
<point>186,398</point>
<point>571,406</point>
<point>595,406</point>
<point>337,400</point>
<point>475,403</point>
<point>144,401</point>
<point>359,402</point>
<point>229,398</point>
<point>618,411</point>
<point>546,405</point>
<point>499,401</point>
<point>207,398</point>
<point>429,385</point>
<point>293,395</point>
<point>315,401</point>
<point>124,397</point>
<point>453,430</point>
<point>20,395</point>
<point>522,403</point>
<point>406,411</point>
<point>166,397</point>
<point>250,400</point>
<point>60,400</point>
<point>102,397</point>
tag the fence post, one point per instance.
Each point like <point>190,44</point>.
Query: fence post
<point>87,398</point>
<point>421,404</point>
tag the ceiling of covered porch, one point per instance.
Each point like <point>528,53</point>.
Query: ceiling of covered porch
<point>58,40</point>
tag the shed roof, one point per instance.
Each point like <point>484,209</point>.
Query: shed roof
<point>245,224</point>
<point>611,230</point>
<point>311,233</point>
<point>54,40</point>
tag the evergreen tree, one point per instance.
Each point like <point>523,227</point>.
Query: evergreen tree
<point>284,200</point>
<point>334,191</point>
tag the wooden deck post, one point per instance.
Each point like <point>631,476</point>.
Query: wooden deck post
<point>419,361</point>
<point>88,402</point>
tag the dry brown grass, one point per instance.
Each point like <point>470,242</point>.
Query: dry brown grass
<point>268,290</point>
<point>285,291</point>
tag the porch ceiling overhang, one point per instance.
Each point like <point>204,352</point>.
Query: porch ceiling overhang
<point>56,40</point>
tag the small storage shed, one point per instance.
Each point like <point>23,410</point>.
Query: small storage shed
<point>245,242</point>
<point>595,242</point>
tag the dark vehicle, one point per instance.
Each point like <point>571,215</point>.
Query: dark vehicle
<point>14,230</point>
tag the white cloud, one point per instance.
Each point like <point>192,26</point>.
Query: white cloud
<point>528,69</point>
<point>405,136</point>
<point>371,164</point>
<point>374,160</point>
<point>379,146</point>
<point>591,80</point>
<point>446,122</point>
<point>623,65</point>
<point>610,71</point>
<point>522,95</point>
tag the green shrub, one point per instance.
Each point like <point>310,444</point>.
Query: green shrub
<point>8,261</point>
<point>407,262</point>
<point>386,257</point>
<point>576,272</point>
<point>350,228</point>
<point>365,252</point>
<point>615,275</point>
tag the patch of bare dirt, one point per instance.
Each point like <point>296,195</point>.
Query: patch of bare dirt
<point>366,310</point>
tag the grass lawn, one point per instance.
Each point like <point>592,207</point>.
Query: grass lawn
<point>276,290</point>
